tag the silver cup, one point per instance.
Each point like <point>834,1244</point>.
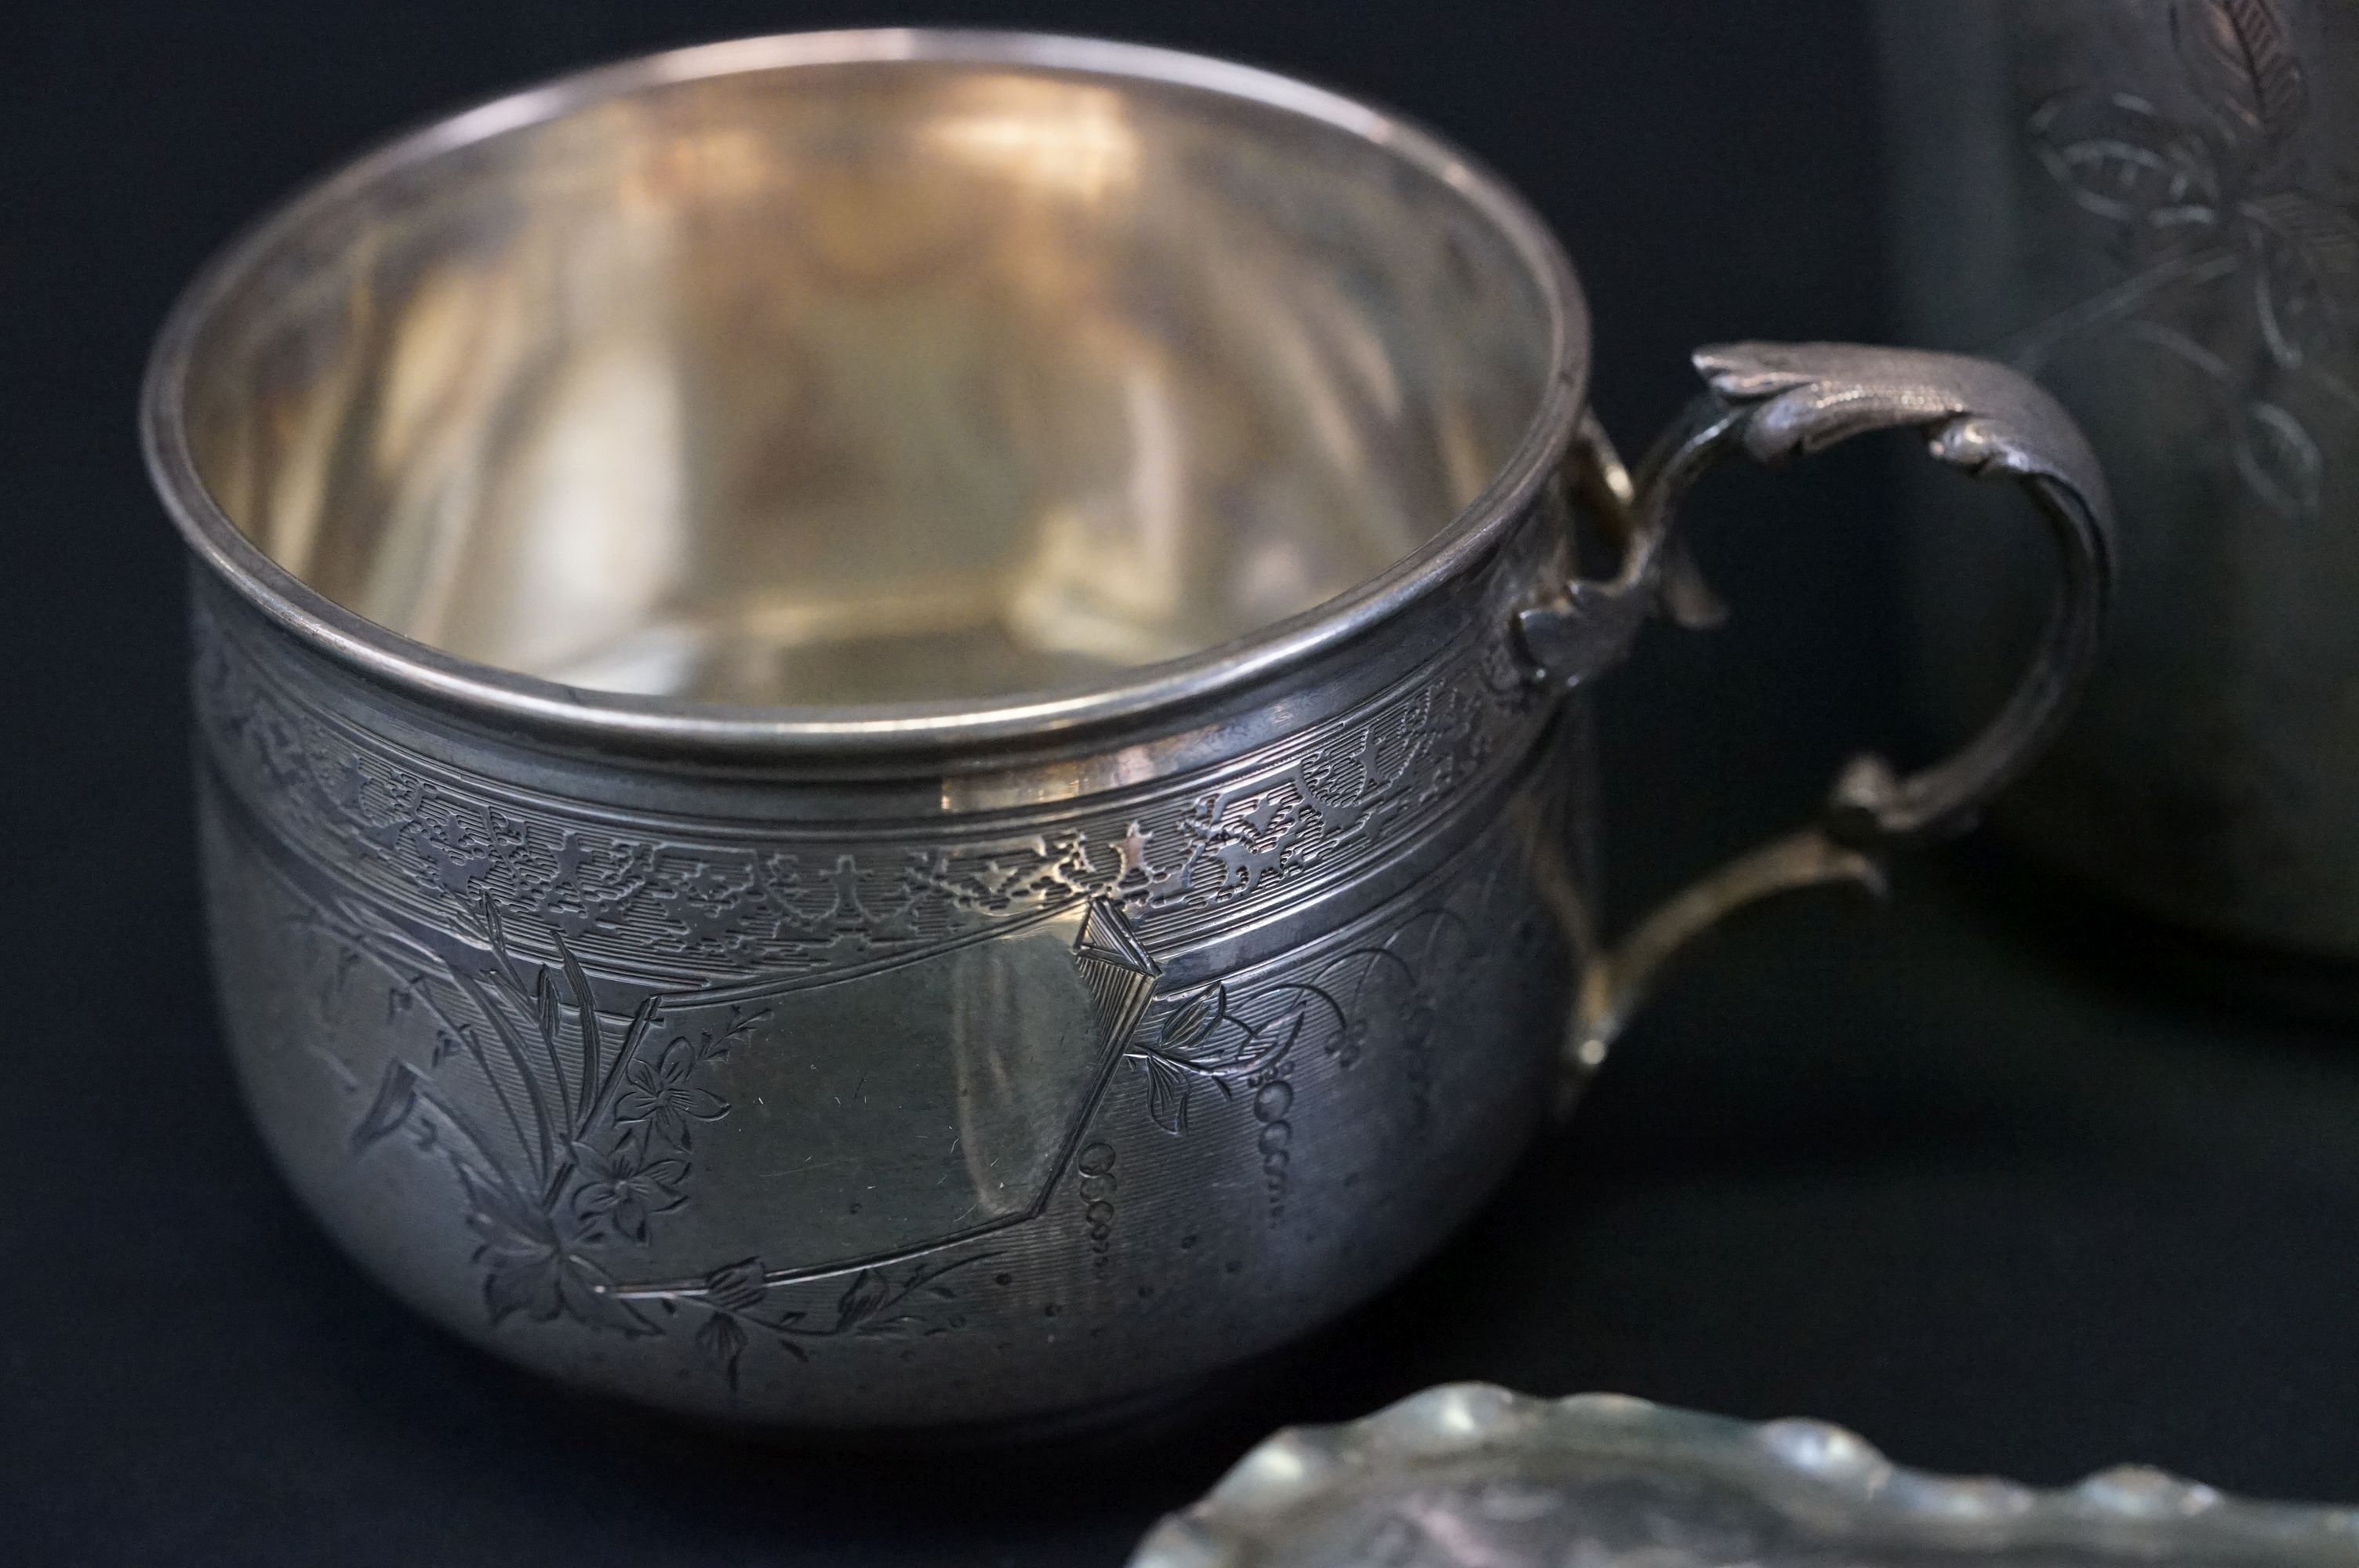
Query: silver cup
<point>891,723</point>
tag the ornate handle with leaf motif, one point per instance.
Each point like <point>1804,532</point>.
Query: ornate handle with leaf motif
<point>1771,401</point>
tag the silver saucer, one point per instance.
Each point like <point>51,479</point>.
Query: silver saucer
<point>1471,1476</point>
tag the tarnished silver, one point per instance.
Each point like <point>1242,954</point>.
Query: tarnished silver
<point>890,722</point>
<point>2150,205</point>
<point>1470,1475</point>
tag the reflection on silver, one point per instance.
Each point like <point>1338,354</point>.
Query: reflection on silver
<point>872,386</point>
<point>1468,1475</point>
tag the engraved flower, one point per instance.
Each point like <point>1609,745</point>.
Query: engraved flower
<point>624,1188</point>
<point>535,1277</point>
<point>529,1268</point>
<point>2218,193</point>
<point>661,1096</point>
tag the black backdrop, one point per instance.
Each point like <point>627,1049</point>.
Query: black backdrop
<point>1901,1170</point>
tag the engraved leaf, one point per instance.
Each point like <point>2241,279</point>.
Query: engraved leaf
<point>396,1097</point>
<point>2118,157</point>
<point>738,1285</point>
<point>508,1225</point>
<point>722,1342</point>
<point>496,929</point>
<point>2305,273</point>
<point>1268,1045</point>
<point>585,1004</point>
<point>545,1020</point>
<point>642,1020</point>
<point>922,1275</point>
<point>528,1270</point>
<point>861,1298</point>
<point>2241,64</point>
<point>1185,1026</point>
<point>2280,460</point>
<point>1167,1094</point>
<point>519,1288</point>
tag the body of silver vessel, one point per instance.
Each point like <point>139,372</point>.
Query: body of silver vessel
<point>889,722</point>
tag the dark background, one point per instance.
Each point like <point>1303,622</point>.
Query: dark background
<point>1907,1170</point>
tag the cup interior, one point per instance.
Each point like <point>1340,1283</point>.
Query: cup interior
<point>864,382</point>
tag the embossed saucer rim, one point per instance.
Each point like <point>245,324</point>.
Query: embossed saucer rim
<point>1801,1467</point>
<point>566,712</point>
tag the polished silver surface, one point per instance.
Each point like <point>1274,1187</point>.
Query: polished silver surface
<point>838,381</point>
<point>1470,1475</point>
<point>2150,205</point>
<point>889,722</point>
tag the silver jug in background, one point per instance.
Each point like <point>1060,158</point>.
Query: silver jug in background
<point>2152,206</point>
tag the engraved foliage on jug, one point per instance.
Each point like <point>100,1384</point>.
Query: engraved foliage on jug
<point>2236,266</point>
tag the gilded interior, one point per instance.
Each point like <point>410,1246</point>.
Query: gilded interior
<point>857,384</point>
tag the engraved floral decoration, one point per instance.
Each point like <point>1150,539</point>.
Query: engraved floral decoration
<point>713,907</point>
<point>600,1134</point>
<point>2234,265</point>
<point>595,1146</point>
<point>570,1119</point>
<point>1201,1042</point>
<point>662,1098</point>
<point>1205,1039</point>
<point>623,1188</point>
<point>871,1304</point>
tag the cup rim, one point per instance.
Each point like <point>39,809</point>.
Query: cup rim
<point>552,710</point>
